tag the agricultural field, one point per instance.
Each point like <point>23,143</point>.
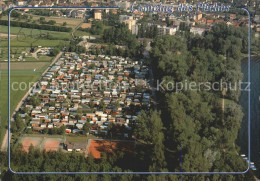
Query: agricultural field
<point>20,72</point>
<point>81,33</point>
<point>27,37</point>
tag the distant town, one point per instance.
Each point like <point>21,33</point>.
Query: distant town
<point>198,21</point>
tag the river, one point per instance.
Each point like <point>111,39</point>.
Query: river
<point>254,110</point>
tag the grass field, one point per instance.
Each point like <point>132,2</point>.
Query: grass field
<point>20,72</point>
<point>26,39</point>
<point>33,32</point>
<point>29,41</point>
<point>81,33</point>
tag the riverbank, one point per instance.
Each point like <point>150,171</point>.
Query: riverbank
<point>254,110</point>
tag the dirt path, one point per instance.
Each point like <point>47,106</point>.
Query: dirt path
<point>74,30</point>
<point>6,35</point>
<point>5,141</point>
<point>223,99</point>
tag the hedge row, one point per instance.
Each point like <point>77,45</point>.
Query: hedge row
<point>36,26</point>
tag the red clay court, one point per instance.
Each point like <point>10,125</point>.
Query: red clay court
<point>96,147</point>
<point>43,143</point>
<point>52,145</point>
<point>27,143</point>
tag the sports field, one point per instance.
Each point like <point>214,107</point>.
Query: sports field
<point>50,142</point>
<point>96,147</point>
<point>47,143</point>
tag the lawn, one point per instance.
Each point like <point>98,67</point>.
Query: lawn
<point>20,72</point>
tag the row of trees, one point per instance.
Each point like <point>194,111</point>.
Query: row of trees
<point>43,21</point>
<point>146,31</point>
<point>42,12</point>
<point>36,26</point>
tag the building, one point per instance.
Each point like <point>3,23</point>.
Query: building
<point>164,30</point>
<point>20,3</point>
<point>198,31</point>
<point>135,29</point>
<point>129,20</point>
<point>75,146</point>
<point>79,14</point>
<point>197,16</point>
<point>75,1</point>
<point>123,4</point>
<point>98,15</point>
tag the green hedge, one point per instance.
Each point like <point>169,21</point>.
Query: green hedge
<point>36,26</point>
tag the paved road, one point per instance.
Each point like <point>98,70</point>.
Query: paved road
<point>5,140</point>
<point>151,78</point>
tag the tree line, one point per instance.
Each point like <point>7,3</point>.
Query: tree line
<point>36,26</point>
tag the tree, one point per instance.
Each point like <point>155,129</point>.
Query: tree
<point>15,14</point>
<point>91,104</point>
<point>121,35</point>
<point>42,20</point>
<point>149,128</point>
<point>86,127</point>
<point>55,52</point>
<point>61,130</point>
<point>51,22</point>
<point>45,131</point>
<point>19,124</point>
<point>34,100</point>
